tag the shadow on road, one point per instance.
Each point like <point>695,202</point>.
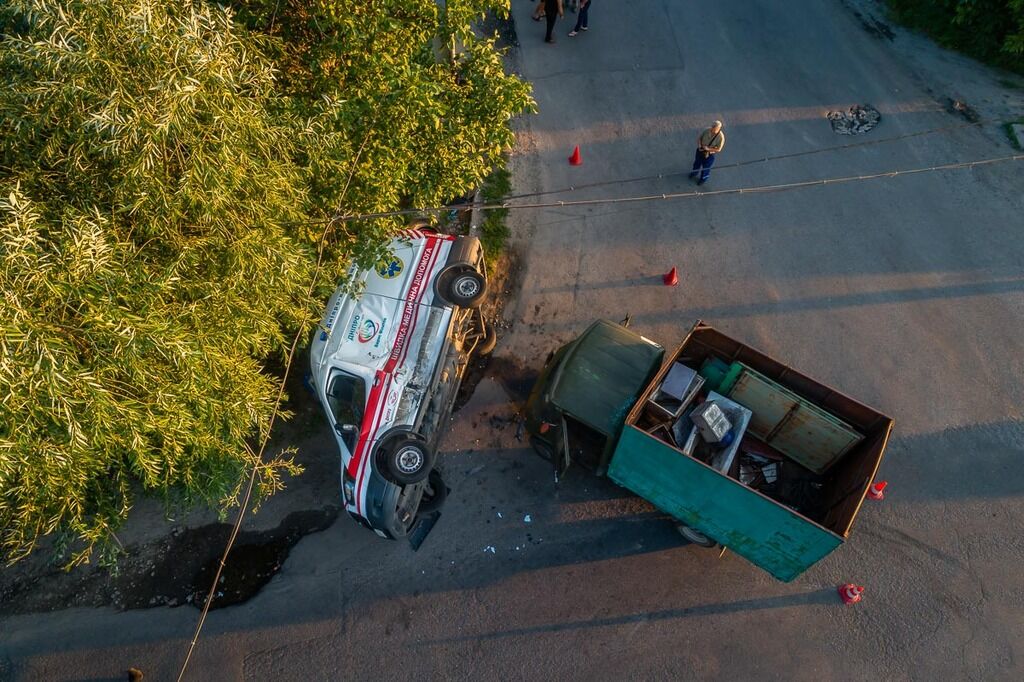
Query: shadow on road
<point>818,597</point>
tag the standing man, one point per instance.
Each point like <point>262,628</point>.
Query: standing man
<point>709,143</point>
<point>550,9</point>
<point>581,18</point>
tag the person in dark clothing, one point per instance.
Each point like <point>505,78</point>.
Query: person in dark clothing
<point>581,18</point>
<point>552,10</point>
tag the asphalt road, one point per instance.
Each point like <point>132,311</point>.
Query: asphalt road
<point>904,292</point>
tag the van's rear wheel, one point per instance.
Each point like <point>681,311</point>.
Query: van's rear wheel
<point>408,462</point>
<point>466,288</point>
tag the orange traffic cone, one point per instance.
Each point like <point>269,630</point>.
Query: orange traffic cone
<point>875,491</point>
<point>575,159</point>
<point>670,278</point>
<point>850,593</point>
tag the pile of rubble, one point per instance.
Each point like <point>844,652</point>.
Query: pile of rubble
<point>860,118</point>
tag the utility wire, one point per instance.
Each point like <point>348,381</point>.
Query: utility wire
<point>682,195</point>
<point>321,252</point>
<point>750,162</point>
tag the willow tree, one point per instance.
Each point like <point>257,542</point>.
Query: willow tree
<point>163,195</point>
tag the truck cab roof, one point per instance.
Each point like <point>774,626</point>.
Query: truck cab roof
<point>603,374</point>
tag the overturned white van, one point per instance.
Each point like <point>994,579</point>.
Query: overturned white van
<point>386,365</point>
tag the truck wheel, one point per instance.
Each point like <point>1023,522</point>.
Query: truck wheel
<point>409,462</point>
<point>542,448</point>
<point>435,494</point>
<point>466,288</point>
<point>489,341</point>
<point>695,537</point>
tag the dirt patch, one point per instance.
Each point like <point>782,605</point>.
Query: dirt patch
<point>172,571</point>
<point>858,119</point>
<point>504,279</point>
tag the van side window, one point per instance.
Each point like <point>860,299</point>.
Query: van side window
<point>346,394</point>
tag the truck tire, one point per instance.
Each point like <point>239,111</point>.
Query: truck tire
<point>695,537</point>
<point>542,448</point>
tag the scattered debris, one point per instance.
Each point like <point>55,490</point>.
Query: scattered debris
<point>527,519</point>
<point>956,106</point>
<point>488,548</point>
<point>860,118</point>
<point>500,516</point>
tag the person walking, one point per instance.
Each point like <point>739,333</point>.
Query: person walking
<point>581,18</point>
<point>552,10</point>
<point>709,143</point>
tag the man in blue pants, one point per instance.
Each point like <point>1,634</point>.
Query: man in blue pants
<point>581,18</point>
<point>709,143</point>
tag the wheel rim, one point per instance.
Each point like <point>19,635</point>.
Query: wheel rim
<point>409,460</point>
<point>467,286</point>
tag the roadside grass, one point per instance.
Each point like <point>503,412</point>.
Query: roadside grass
<point>494,233</point>
<point>1011,135</point>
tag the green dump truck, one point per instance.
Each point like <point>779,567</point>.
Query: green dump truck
<point>740,449</point>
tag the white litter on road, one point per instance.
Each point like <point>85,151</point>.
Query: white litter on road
<point>527,519</point>
<point>489,548</point>
<point>500,516</point>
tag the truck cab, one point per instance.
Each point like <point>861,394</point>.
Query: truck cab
<point>579,403</point>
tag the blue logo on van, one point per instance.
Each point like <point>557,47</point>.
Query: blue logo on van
<point>390,268</point>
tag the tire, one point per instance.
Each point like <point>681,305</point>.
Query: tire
<point>408,461</point>
<point>486,346</point>
<point>542,448</point>
<point>466,288</point>
<point>695,537</point>
<point>435,495</point>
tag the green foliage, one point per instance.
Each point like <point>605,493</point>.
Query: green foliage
<point>411,127</point>
<point>990,30</point>
<point>145,259</point>
<point>165,174</point>
<point>493,230</point>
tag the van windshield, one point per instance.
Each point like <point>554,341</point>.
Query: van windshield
<point>346,394</point>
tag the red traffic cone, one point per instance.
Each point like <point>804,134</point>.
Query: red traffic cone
<point>575,159</point>
<point>875,491</point>
<point>670,278</point>
<point>850,593</point>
